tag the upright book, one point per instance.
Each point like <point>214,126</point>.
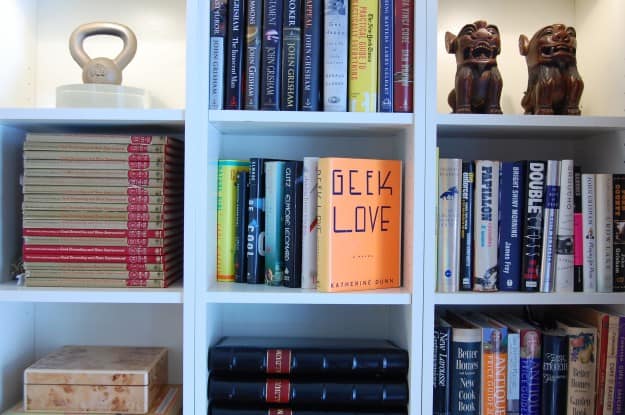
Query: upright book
<point>512,197</point>
<point>486,222</point>
<point>533,226</point>
<point>589,231</point>
<point>618,250</point>
<point>216,409</point>
<point>466,225</point>
<point>604,234</point>
<point>555,358</point>
<point>240,259</point>
<point>335,58</point>
<point>253,45</point>
<point>291,55</point>
<point>274,222</point>
<point>363,55</point>
<point>309,223</point>
<point>271,55</point>
<point>550,227</point>
<point>312,62</point>
<point>403,55</point>
<point>564,275</point>
<point>218,28</point>
<point>449,217</point>
<point>442,369</point>
<point>385,61</point>
<point>234,55</point>
<point>578,238</point>
<point>255,243</point>
<point>359,224</point>
<point>292,221</point>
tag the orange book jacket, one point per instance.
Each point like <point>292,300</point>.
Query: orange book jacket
<point>359,224</point>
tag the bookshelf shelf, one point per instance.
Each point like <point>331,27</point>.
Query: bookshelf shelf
<point>517,298</point>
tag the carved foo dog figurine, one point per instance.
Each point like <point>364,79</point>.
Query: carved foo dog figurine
<point>554,86</point>
<point>478,81</point>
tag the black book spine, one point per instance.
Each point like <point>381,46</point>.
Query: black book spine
<point>253,54</point>
<point>555,369</point>
<point>312,55</point>
<point>292,214</point>
<point>533,225</point>
<point>291,55</point>
<point>466,358</point>
<point>618,249</point>
<point>234,54</point>
<point>388,394</point>
<point>442,360</point>
<point>578,249</point>
<point>466,226</point>
<point>240,259</point>
<point>238,410</point>
<point>217,53</point>
<point>255,252</point>
<point>271,55</point>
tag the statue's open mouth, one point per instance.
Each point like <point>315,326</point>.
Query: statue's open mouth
<point>557,50</point>
<point>482,51</point>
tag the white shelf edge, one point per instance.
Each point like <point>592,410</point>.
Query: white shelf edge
<point>530,121</point>
<point>91,116</point>
<point>11,292</point>
<point>311,117</point>
<point>521,298</point>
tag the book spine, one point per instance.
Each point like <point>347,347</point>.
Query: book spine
<point>385,62</point>
<point>564,243</point>
<point>449,184</point>
<point>466,358</point>
<point>550,227</point>
<point>494,371</point>
<point>403,39</point>
<point>271,55</point>
<point>512,199</point>
<point>514,375</point>
<point>466,226</point>
<point>442,387</point>
<point>555,368</point>
<point>604,217</point>
<point>240,274</point>
<point>589,232</point>
<point>274,234</point>
<point>234,54</point>
<point>255,243</point>
<point>292,218</point>
<point>218,18</point>
<point>363,55</point>
<point>226,206</point>
<point>93,233</point>
<point>603,333</point>
<point>486,220</point>
<point>96,250</point>
<point>618,240</point>
<point>311,56</point>
<point>291,55</point>
<point>324,233</point>
<point>578,232</point>
<point>619,378</point>
<point>530,372</point>
<point>581,373</point>
<point>104,258</point>
<point>533,226</point>
<point>610,364</point>
<point>253,47</point>
<point>336,26</point>
<point>309,223</point>
<point>224,410</point>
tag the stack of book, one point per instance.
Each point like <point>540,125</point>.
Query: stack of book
<point>102,210</point>
<point>306,376</point>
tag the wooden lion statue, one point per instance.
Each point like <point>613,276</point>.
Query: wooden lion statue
<point>554,86</point>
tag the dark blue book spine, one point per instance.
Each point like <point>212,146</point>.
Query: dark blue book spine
<point>271,55</point>
<point>442,370</point>
<point>234,54</point>
<point>512,198</point>
<point>555,368</point>
<point>311,55</point>
<point>292,214</point>
<point>619,381</point>
<point>465,381</point>
<point>466,226</point>
<point>240,258</point>
<point>291,55</point>
<point>535,172</point>
<point>530,368</point>
<point>252,54</point>
<point>255,244</point>
<point>385,62</point>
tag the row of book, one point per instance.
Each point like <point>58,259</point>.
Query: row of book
<point>328,223</point>
<point>307,376</point>
<point>312,55</point>
<point>102,210</point>
<point>499,363</point>
<point>529,226</point>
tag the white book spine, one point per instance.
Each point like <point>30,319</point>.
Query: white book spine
<point>603,211</point>
<point>449,186</point>
<point>514,372</point>
<point>336,29</point>
<point>216,73</point>
<point>309,223</point>
<point>486,225</point>
<point>564,244</point>
<point>589,232</point>
<point>550,227</point>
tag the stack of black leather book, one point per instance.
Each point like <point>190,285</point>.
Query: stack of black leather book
<point>307,376</point>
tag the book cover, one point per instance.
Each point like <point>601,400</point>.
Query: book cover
<point>253,45</point>
<point>449,218</point>
<point>486,222</point>
<point>550,227</point>
<point>309,223</point>
<point>512,197</point>
<point>274,222</point>
<point>255,245</point>
<point>218,19</point>
<point>564,275</point>
<point>246,357</point>
<point>363,55</point>
<point>335,58</point>
<point>555,362</point>
<point>312,58</point>
<point>589,231</point>
<point>403,39</point>
<point>359,210</point>
<point>291,55</point>
<point>618,250</point>
<point>604,227</point>
<point>240,224</point>
<point>466,226</point>
<point>533,225</point>
<point>466,358</point>
<point>578,232</point>
<point>271,55</point>
<point>385,63</point>
<point>442,369</point>
<point>234,55</point>
<point>226,210</point>
<point>217,409</point>
<point>292,222</point>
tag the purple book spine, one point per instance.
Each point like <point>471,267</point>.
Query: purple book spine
<point>619,382</point>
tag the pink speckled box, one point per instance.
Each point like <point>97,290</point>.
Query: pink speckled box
<point>104,379</point>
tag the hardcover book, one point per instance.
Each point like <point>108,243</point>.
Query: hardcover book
<point>564,275</point>
<point>226,410</point>
<point>253,45</point>
<point>512,197</point>
<point>240,259</point>
<point>363,55</point>
<point>312,62</point>
<point>403,55</point>
<point>271,55</point>
<point>309,223</point>
<point>255,245</point>
<point>274,222</point>
<point>466,226</point>
<point>578,232</point>
<point>359,210</point>
<point>100,139</point>
<point>335,58</point>
<point>589,232</point>
<point>292,219</point>
<point>604,227</point>
<point>555,358</point>
<point>442,369</point>
<point>486,222</point>
<point>533,225</point>
<point>618,181</point>
<point>550,227</point>
<point>291,55</point>
<point>449,219</point>
<point>218,18</point>
<point>234,55</point>
<point>385,61</point>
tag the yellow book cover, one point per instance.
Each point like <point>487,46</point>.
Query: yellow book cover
<point>359,224</point>
<point>363,55</point>
<point>226,211</point>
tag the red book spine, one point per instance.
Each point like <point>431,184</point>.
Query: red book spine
<point>403,55</point>
<point>118,259</point>
<point>141,139</point>
<point>95,233</point>
<point>602,357</point>
<point>92,250</point>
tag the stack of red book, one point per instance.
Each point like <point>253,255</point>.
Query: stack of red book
<point>102,210</point>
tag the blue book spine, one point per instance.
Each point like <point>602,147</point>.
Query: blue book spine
<point>255,243</point>
<point>271,55</point>
<point>292,217</point>
<point>312,58</point>
<point>512,200</point>
<point>619,381</point>
<point>466,226</point>
<point>442,371</point>
<point>234,54</point>
<point>555,362</point>
<point>531,373</point>
<point>240,259</point>
<point>385,62</point>
<point>465,382</point>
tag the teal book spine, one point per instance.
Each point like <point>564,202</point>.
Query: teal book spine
<point>274,199</point>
